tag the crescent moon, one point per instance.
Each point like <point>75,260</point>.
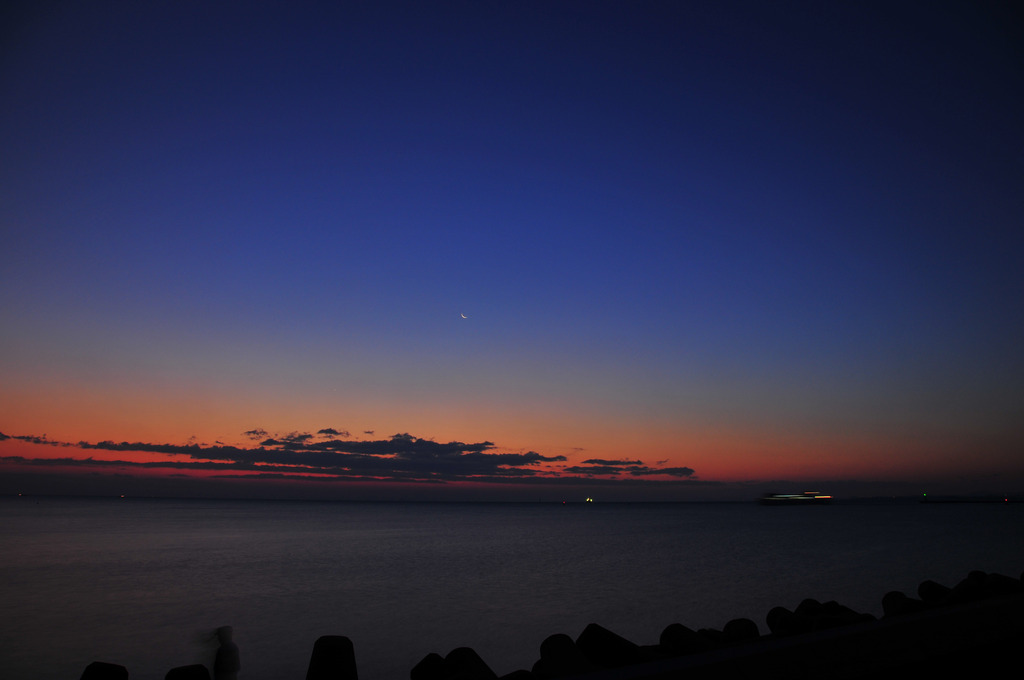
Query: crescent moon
<point>463,316</point>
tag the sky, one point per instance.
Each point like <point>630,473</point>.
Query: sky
<point>511,250</point>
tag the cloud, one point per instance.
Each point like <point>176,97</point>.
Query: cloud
<point>594,470</point>
<point>301,455</point>
<point>597,467</point>
<point>296,437</point>
<point>672,471</point>
<point>601,461</point>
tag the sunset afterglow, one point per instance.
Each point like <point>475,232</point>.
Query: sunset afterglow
<point>520,251</point>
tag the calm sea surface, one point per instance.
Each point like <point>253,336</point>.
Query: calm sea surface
<point>143,583</point>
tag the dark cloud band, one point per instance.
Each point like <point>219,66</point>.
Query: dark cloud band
<point>402,457</point>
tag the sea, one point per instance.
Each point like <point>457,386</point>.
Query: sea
<point>145,582</point>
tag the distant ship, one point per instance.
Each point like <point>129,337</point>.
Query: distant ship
<point>805,498</point>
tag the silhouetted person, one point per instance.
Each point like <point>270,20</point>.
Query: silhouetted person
<point>226,664</point>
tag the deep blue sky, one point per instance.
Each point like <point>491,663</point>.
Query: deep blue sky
<point>759,239</point>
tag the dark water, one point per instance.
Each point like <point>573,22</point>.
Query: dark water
<point>144,583</point>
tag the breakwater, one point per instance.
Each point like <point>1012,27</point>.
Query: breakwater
<point>972,625</point>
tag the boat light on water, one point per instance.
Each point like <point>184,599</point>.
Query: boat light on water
<point>805,498</point>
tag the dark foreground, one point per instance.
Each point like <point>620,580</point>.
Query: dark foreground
<point>973,627</point>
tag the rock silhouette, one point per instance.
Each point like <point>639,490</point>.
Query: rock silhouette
<point>898,603</point>
<point>932,593</point>
<point>100,670</point>
<point>333,658</point>
<point>196,671</point>
<point>560,657</point>
<point>975,625</point>
<point>782,621</point>
<point>738,631</point>
<point>463,663</point>
<point>608,649</point>
<point>678,640</point>
<point>431,667</point>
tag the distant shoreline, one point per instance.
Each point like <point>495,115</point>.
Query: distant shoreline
<point>865,500</point>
